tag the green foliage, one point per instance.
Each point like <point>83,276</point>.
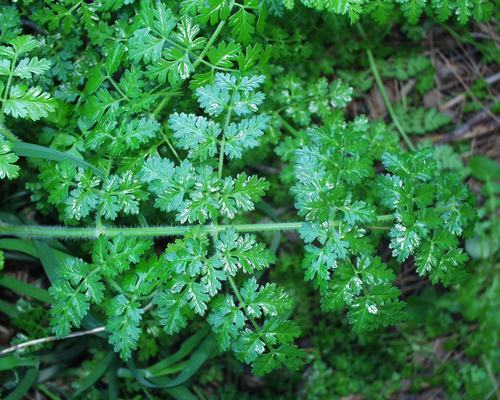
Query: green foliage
<point>81,285</point>
<point>268,346</point>
<point>7,159</point>
<point>18,99</point>
<point>199,266</point>
<point>429,211</point>
<point>302,103</point>
<point>175,138</point>
<point>124,318</point>
<point>412,10</point>
<point>421,121</point>
<point>404,68</point>
<point>485,242</point>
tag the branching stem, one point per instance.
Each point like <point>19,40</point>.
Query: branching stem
<point>209,43</point>
<point>241,302</point>
<point>117,88</point>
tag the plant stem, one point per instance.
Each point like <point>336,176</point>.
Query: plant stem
<point>223,142</point>
<point>385,97</point>
<point>241,302</point>
<point>387,102</point>
<point>209,43</point>
<point>160,106</point>
<point>172,92</point>
<point>7,87</point>
<point>64,232</point>
<point>117,88</point>
<point>4,131</point>
<point>288,126</point>
<point>171,147</point>
<point>491,375</point>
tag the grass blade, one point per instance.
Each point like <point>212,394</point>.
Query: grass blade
<point>186,348</point>
<point>95,375</point>
<point>25,289</point>
<point>36,151</point>
<point>197,359</point>
<point>8,309</point>
<point>27,381</point>
<point>48,260</point>
<point>10,362</point>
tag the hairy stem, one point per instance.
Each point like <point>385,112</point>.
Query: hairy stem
<point>171,147</point>
<point>6,132</point>
<point>288,126</point>
<point>169,94</point>
<point>64,232</point>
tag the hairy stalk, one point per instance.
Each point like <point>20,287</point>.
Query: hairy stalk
<point>172,92</point>
<point>230,278</point>
<point>64,232</point>
<point>160,106</point>
<point>387,102</point>
<point>241,302</point>
<point>383,93</point>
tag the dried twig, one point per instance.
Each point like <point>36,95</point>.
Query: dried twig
<point>490,80</point>
<point>47,339</point>
<point>479,124</point>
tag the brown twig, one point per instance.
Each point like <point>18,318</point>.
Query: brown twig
<point>479,124</point>
<point>47,339</point>
<point>490,80</point>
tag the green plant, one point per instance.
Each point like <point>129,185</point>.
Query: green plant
<point>164,146</point>
<point>336,195</point>
<point>412,10</point>
<point>485,243</point>
<point>20,101</point>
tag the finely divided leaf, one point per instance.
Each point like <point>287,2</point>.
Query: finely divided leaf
<point>7,159</point>
<point>244,135</point>
<point>32,103</point>
<point>196,134</point>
